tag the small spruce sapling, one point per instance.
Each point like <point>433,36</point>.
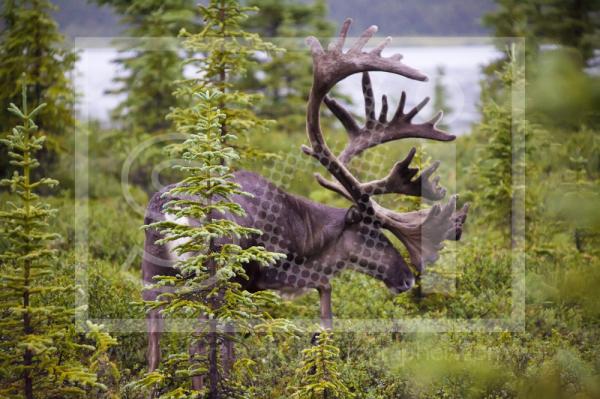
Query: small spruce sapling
<point>505,151</point>
<point>40,353</point>
<point>207,286</point>
<point>318,375</point>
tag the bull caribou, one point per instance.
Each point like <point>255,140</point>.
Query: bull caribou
<point>319,240</point>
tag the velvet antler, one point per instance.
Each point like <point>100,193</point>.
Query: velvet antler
<point>422,232</point>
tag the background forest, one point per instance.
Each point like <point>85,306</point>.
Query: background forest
<point>74,191</point>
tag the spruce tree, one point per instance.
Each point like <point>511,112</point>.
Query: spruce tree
<point>318,374</point>
<point>208,282</point>
<point>285,76</point>
<point>151,60</point>
<point>207,285</point>
<point>40,355</point>
<point>504,149</point>
<point>224,55</point>
<point>33,52</point>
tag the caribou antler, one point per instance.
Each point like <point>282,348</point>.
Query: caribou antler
<point>378,130</point>
<point>399,181</point>
<point>421,232</point>
<point>333,65</point>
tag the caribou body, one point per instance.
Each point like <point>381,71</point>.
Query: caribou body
<point>318,240</point>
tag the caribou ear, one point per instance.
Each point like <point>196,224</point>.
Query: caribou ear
<point>353,215</point>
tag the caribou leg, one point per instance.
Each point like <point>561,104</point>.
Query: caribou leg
<point>326,313</point>
<point>155,326</point>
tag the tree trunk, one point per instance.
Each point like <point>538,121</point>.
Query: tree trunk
<point>213,362</point>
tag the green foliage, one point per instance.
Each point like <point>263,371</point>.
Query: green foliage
<point>33,53</point>
<point>453,374</point>
<point>100,362</point>
<point>573,97</point>
<point>227,52</point>
<point>40,352</point>
<point>319,375</point>
<point>570,23</point>
<point>567,201</point>
<point>286,76</point>
<point>119,246</point>
<point>152,60</point>
<point>568,30</point>
<point>505,133</point>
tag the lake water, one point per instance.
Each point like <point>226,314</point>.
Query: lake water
<point>462,65</point>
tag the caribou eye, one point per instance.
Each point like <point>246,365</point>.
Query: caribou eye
<point>353,215</point>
